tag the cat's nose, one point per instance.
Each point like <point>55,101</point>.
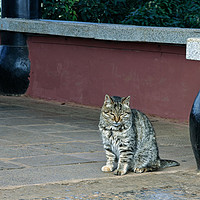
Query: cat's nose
<point>117,119</point>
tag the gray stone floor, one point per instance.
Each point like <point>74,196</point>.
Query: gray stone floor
<point>44,144</point>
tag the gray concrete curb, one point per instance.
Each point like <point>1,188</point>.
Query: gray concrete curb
<point>113,32</point>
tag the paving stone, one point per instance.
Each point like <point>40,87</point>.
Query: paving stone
<point>8,107</point>
<point>24,113</point>
<point>8,166</point>
<point>6,114</point>
<point>71,147</point>
<point>80,134</point>
<point>177,140</point>
<point>20,121</point>
<point>49,128</point>
<point>43,175</point>
<point>99,142</point>
<point>86,125</point>
<point>175,129</point>
<point>26,137</point>
<point>61,159</point>
<point>50,160</point>
<point>6,143</point>
<point>176,151</point>
<point>93,157</point>
<point>22,151</point>
<point>73,118</point>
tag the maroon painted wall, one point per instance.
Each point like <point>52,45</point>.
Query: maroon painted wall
<point>157,77</point>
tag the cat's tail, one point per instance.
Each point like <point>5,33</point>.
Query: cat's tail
<point>168,163</point>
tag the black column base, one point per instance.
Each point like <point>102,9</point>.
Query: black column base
<point>14,69</point>
<point>195,129</point>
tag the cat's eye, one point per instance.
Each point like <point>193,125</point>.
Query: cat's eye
<point>106,112</point>
<point>128,113</point>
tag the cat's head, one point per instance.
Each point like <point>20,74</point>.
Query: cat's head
<point>116,110</point>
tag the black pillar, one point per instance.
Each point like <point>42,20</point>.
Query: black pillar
<point>195,129</point>
<point>14,61</point>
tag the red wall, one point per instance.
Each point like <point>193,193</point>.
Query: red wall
<point>157,77</point>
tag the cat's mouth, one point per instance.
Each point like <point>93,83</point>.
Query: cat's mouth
<point>116,124</point>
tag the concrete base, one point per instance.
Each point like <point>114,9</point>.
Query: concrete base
<point>193,49</point>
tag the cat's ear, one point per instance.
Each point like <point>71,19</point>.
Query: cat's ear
<point>108,99</point>
<point>126,100</point>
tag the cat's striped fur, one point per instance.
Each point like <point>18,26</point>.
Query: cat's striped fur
<point>129,139</point>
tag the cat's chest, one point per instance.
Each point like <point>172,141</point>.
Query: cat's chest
<point>113,138</point>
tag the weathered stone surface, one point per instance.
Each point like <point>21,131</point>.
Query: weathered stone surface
<point>193,49</point>
<point>100,31</point>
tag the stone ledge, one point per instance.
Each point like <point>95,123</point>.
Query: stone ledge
<point>193,49</point>
<point>113,32</point>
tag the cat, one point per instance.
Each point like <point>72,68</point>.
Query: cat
<point>129,139</point>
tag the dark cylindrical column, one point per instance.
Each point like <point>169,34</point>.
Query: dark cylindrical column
<point>35,9</point>
<point>14,61</point>
<point>27,9</point>
<point>195,129</point>
<point>13,39</point>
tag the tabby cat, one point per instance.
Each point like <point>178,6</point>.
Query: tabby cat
<point>129,139</point>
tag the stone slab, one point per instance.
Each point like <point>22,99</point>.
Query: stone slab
<point>177,141</point>
<point>61,159</point>
<point>27,137</point>
<point>4,107</point>
<point>92,157</point>
<point>51,174</point>
<point>175,151</point>
<point>50,160</point>
<point>172,128</point>
<point>85,135</point>
<point>6,142</point>
<point>22,151</point>
<point>100,31</point>
<point>20,121</point>
<point>70,147</point>
<point>8,166</point>
<point>48,128</point>
<point>193,49</point>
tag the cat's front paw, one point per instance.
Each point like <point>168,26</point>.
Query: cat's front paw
<point>107,168</point>
<point>120,172</point>
<point>140,170</point>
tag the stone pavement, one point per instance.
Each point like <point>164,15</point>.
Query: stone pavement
<point>53,150</point>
